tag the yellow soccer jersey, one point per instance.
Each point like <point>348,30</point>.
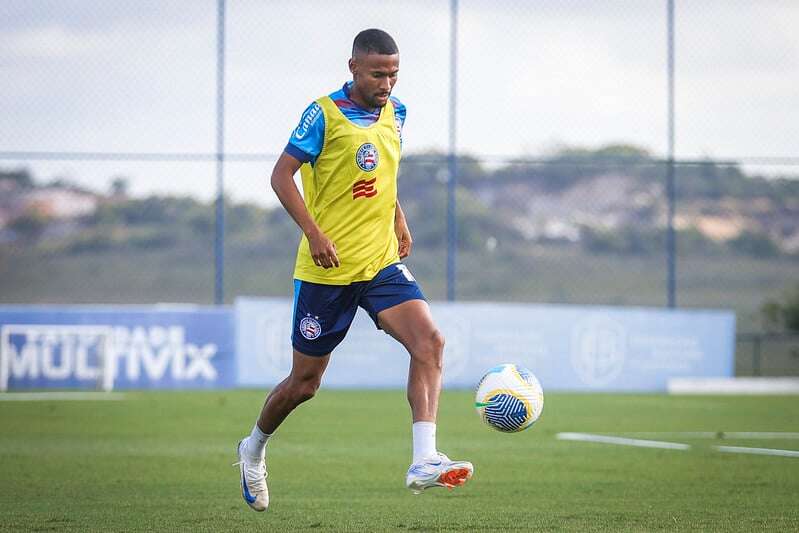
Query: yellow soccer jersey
<point>351,193</point>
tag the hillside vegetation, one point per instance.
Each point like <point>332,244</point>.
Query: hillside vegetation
<point>581,226</point>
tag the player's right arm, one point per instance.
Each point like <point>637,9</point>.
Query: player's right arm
<point>323,250</point>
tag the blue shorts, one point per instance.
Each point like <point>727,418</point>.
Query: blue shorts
<point>323,313</point>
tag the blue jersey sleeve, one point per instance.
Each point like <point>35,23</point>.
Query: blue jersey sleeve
<point>308,137</point>
<point>400,111</point>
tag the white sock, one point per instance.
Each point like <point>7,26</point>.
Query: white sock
<point>255,445</point>
<point>424,440</point>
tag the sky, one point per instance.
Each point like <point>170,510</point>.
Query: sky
<point>108,75</point>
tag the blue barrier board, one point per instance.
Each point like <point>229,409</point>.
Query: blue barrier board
<point>575,348</point>
<point>144,347</point>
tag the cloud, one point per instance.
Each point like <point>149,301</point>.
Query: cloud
<point>96,75</point>
<point>48,42</point>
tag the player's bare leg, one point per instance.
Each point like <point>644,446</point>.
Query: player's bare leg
<point>411,323</point>
<point>300,386</point>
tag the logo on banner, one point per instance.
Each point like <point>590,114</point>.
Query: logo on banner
<point>80,353</point>
<point>599,347</point>
<point>54,353</point>
<point>367,157</point>
<point>310,328</point>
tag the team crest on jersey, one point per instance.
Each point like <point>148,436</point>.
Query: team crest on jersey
<point>367,157</point>
<point>310,328</point>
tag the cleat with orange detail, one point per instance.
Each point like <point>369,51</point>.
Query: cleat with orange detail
<point>438,471</point>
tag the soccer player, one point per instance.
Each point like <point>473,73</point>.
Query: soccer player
<point>347,148</point>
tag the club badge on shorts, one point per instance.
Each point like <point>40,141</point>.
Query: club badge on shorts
<point>367,157</point>
<point>310,328</point>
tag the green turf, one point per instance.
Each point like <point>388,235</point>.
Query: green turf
<point>161,462</point>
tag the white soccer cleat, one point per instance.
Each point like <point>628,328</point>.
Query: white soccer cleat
<point>253,481</point>
<point>438,471</point>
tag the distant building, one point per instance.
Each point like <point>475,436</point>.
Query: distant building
<point>56,202</point>
<point>60,203</point>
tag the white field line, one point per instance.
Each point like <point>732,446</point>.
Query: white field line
<point>605,439</point>
<point>715,434</point>
<point>59,396</point>
<point>757,451</point>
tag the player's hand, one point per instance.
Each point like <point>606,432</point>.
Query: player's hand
<point>404,239</point>
<point>323,250</point>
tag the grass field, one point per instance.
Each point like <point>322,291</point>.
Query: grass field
<point>162,462</point>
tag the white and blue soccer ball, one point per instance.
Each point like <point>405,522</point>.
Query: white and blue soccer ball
<point>509,398</point>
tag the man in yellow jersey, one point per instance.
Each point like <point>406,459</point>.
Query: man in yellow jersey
<point>347,147</point>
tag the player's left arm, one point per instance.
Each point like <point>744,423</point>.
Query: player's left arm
<point>403,232</point>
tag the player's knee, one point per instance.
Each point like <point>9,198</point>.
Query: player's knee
<point>303,393</point>
<point>438,341</point>
<point>430,350</point>
<point>304,390</point>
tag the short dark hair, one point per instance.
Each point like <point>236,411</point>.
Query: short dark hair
<point>374,41</point>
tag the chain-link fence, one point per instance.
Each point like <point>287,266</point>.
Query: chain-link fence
<point>120,120</point>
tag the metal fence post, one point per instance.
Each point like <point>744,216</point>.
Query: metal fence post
<point>219,226</point>
<point>671,245</point>
<point>452,182</point>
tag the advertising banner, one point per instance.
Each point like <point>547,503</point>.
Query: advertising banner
<point>146,347</point>
<point>570,348</point>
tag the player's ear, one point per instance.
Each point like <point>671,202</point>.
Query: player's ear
<point>353,65</point>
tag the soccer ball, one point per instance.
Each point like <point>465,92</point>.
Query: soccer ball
<point>509,398</point>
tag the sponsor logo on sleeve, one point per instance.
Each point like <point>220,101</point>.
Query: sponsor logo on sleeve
<point>308,119</point>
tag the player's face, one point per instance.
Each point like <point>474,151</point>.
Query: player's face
<point>374,76</point>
